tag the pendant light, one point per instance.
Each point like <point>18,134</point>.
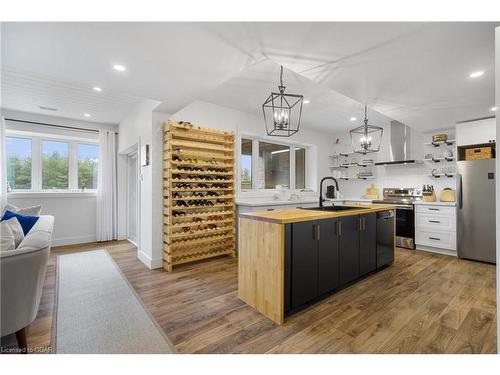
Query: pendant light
<point>282,112</point>
<point>366,138</point>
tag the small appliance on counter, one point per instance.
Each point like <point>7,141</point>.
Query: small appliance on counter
<point>331,192</point>
<point>428,193</point>
<point>372,192</point>
<point>282,193</point>
<point>447,195</point>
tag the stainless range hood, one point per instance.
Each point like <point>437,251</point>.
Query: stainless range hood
<point>400,146</point>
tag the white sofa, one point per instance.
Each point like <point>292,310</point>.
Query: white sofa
<point>22,273</point>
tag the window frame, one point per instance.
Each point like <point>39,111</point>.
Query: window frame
<point>86,142</point>
<point>37,162</point>
<point>255,157</point>
<point>7,135</point>
<point>40,186</point>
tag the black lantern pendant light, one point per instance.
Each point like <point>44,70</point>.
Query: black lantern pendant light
<point>366,138</point>
<point>282,112</point>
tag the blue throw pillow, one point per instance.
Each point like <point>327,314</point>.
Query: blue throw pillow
<point>26,221</point>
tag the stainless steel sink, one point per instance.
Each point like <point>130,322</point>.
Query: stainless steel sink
<point>332,208</point>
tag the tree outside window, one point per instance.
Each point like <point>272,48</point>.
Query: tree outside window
<point>18,154</point>
<point>88,162</point>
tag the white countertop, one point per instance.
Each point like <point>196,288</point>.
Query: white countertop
<point>364,200</point>
<point>450,204</point>
<point>268,202</point>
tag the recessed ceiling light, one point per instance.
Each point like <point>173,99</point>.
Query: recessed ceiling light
<point>353,119</point>
<point>119,68</point>
<point>98,89</point>
<point>479,73</point>
<point>493,109</point>
<point>86,114</point>
<point>306,101</point>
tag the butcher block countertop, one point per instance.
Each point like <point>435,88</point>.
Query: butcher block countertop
<point>298,215</point>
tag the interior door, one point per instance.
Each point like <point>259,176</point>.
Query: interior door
<point>132,199</point>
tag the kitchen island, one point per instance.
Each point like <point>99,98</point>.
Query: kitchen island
<point>290,258</point>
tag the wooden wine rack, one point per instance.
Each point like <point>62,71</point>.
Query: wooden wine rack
<point>198,193</point>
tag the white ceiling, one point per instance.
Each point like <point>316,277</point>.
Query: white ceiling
<point>328,110</point>
<point>29,92</point>
<point>414,72</point>
<point>417,73</point>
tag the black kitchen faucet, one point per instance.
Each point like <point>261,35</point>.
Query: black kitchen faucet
<point>321,188</point>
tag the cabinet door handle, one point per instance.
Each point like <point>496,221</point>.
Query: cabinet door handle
<point>433,209</point>
<point>318,233</point>
<point>434,221</point>
<point>360,224</point>
<point>315,233</point>
<point>435,238</point>
<point>364,223</point>
<point>339,228</point>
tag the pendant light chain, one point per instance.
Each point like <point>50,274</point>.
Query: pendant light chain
<point>281,87</point>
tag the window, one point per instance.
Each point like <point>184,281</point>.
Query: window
<point>88,161</point>
<point>55,165</point>
<point>300,168</point>
<point>36,163</point>
<point>246,163</point>
<point>264,164</point>
<point>18,154</point>
<point>274,164</point>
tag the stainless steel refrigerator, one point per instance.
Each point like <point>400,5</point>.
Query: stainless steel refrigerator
<point>476,229</point>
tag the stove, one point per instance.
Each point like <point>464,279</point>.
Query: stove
<point>403,199</point>
<point>401,196</point>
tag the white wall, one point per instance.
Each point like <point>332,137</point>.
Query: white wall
<point>497,104</point>
<point>223,118</point>
<point>136,130</point>
<point>157,184</point>
<point>75,213</point>
<point>398,176</point>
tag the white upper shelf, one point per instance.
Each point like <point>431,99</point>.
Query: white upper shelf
<point>448,142</point>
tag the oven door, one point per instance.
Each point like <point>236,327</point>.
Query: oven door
<point>405,226</point>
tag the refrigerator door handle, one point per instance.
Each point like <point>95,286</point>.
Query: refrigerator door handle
<point>459,191</point>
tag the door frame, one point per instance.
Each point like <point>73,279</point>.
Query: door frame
<point>134,152</point>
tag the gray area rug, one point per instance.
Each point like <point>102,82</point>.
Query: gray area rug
<point>97,311</point>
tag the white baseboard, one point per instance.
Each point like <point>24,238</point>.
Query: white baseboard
<point>436,250</point>
<point>132,242</point>
<point>72,240</point>
<point>150,263</point>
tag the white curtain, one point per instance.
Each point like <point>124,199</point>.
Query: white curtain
<point>3,166</point>
<point>107,226</point>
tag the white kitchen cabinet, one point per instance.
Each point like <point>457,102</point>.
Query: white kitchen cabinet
<point>476,132</point>
<point>436,227</point>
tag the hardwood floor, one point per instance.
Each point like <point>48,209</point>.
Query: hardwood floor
<point>424,303</point>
